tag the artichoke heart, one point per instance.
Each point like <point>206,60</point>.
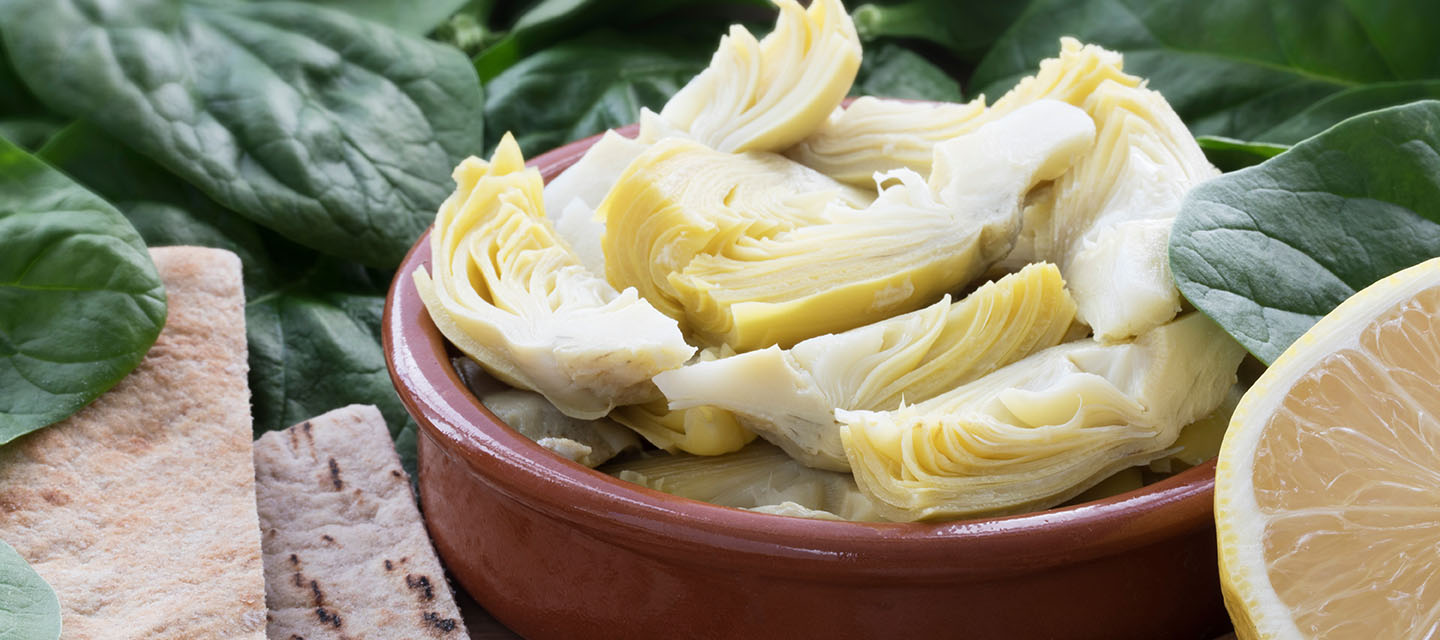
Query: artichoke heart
<point>1107,222</point>
<point>702,431</point>
<point>588,442</point>
<point>572,196</point>
<point>767,95</point>
<point>511,295</point>
<point>759,477</point>
<point>1043,429</point>
<point>680,199</point>
<point>915,242</point>
<point>789,396</point>
<point>877,135</point>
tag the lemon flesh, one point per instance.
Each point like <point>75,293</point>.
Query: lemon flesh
<point>1327,496</point>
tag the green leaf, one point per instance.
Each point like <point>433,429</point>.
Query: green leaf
<point>585,86</point>
<point>29,133</point>
<point>313,323</point>
<point>336,132</point>
<point>1229,154</point>
<point>29,609</point>
<point>469,29</point>
<point>315,346</point>
<point>1267,251</point>
<point>23,120</point>
<point>80,300</point>
<point>550,21</point>
<point>163,208</point>
<point>1272,71</point>
<point>415,17</point>
<point>889,70</point>
<point>966,29</point>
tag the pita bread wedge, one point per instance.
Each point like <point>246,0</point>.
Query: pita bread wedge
<point>139,510</point>
<point>346,554</point>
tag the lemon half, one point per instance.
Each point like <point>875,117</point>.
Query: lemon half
<point>1327,489</point>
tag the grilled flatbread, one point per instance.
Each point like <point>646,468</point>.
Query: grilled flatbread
<point>140,509</point>
<point>346,554</point>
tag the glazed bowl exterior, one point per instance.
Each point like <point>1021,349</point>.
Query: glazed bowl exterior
<point>556,550</point>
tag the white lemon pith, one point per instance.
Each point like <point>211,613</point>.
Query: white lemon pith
<point>1327,491</point>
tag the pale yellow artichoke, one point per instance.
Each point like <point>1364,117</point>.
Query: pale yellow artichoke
<point>507,292</point>
<point>790,396</point>
<point>1043,429</point>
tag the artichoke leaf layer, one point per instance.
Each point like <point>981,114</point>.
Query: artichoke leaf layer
<point>588,442</point>
<point>759,477</point>
<point>789,396</point>
<point>572,197</point>
<point>879,135</point>
<point>1043,429</point>
<point>748,274</point>
<point>767,94</point>
<point>511,295</point>
<point>1107,221</point>
<point>755,96</point>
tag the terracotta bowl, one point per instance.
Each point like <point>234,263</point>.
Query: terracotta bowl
<point>555,550</point>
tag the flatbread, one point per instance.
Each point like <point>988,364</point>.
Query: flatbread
<point>139,510</point>
<point>346,554</point>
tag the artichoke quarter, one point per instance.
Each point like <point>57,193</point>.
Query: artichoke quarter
<point>878,135</point>
<point>789,396</point>
<point>749,268</point>
<point>1107,221</point>
<point>506,291</point>
<point>1043,429</point>
<point>766,95</point>
<point>759,477</point>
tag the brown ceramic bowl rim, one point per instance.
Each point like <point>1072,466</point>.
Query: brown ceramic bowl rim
<point>689,530</point>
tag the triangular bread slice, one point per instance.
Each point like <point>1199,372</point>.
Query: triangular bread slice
<point>140,509</point>
<point>346,553</point>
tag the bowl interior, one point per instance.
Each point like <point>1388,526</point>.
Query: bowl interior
<point>418,359</point>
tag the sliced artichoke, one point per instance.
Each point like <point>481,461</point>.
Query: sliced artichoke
<point>1107,222</point>
<point>749,274</point>
<point>588,442</point>
<point>680,199</point>
<point>703,431</point>
<point>768,94</point>
<point>578,190</point>
<point>876,135</point>
<point>790,397</point>
<point>1043,429</point>
<point>509,294</point>
<point>759,477</point>
<point>1200,440</point>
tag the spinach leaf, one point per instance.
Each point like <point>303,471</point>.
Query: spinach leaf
<point>29,609</point>
<point>163,208</point>
<point>336,132</point>
<point>469,29</point>
<point>313,323</point>
<point>415,17</point>
<point>28,133</point>
<point>1230,154</point>
<point>23,120</point>
<point>588,85</point>
<point>966,29</point>
<point>80,300</point>
<point>550,21</point>
<point>889,70</point>
<point>1267,251</point>
<point>1273,71</point>
<point>315,346</point>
